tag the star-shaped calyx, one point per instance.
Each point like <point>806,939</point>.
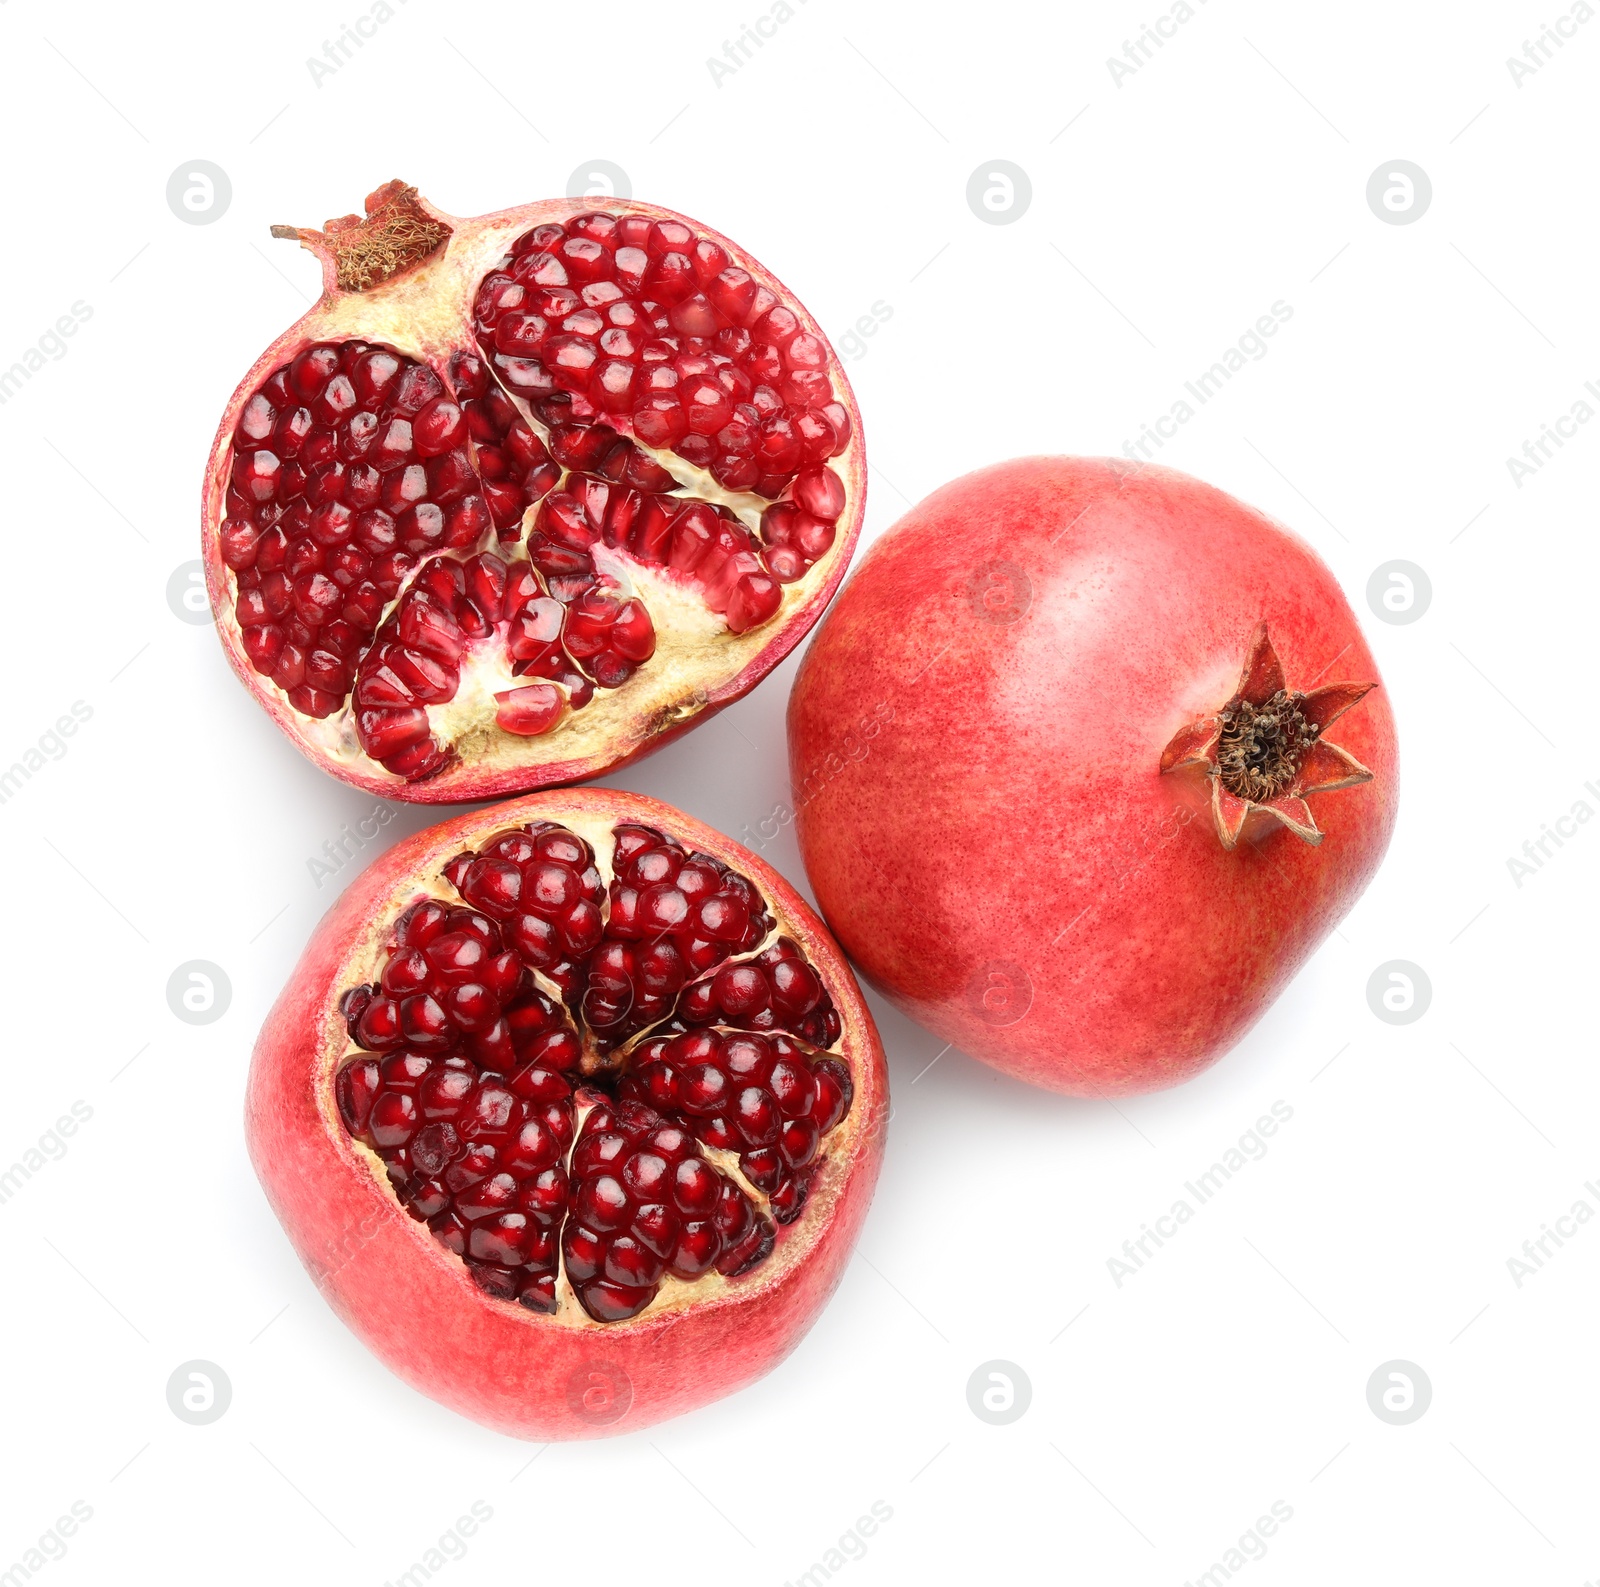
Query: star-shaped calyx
<point>1265,751</point>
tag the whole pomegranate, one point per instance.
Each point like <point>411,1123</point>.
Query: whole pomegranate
<point>573,1111</point>
<point>524,496</point>
<point>1086,759</point>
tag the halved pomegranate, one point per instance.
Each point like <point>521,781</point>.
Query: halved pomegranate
<point>569,1095</point>
<point>524,496</point>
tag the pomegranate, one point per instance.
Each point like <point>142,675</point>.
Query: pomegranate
<point>1125,766</point>
<point>524,496</point>
<point>573,1110</point>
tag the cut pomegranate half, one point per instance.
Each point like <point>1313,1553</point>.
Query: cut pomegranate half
<point>569,1081</point>
<point>524,496</point>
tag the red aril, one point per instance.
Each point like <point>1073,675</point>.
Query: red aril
<point>526,495</point>
<point>571,1096</point>
<point>1087,758</point>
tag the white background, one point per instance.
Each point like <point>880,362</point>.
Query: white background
<point>1167,214</point>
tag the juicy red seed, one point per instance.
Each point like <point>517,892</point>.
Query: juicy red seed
<point>468,1093</point>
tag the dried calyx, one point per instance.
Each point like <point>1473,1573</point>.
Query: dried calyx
<point>1261,748</point>
<point>1264,751</point>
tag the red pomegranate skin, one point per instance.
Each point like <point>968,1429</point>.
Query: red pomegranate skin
<point>1001,856</point>
<point>414,1305</point>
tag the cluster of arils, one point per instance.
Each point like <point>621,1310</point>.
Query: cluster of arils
<point>349,465</point>
<point>367,499</point>
<point>647,323</point>
<point>549,1068</point>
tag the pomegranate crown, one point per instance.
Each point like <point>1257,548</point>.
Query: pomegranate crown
<point>1264,751</point>
<point>396,233</point>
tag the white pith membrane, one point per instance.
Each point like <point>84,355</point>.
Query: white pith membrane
<point>425,314</point>
<point>826,1176</point>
